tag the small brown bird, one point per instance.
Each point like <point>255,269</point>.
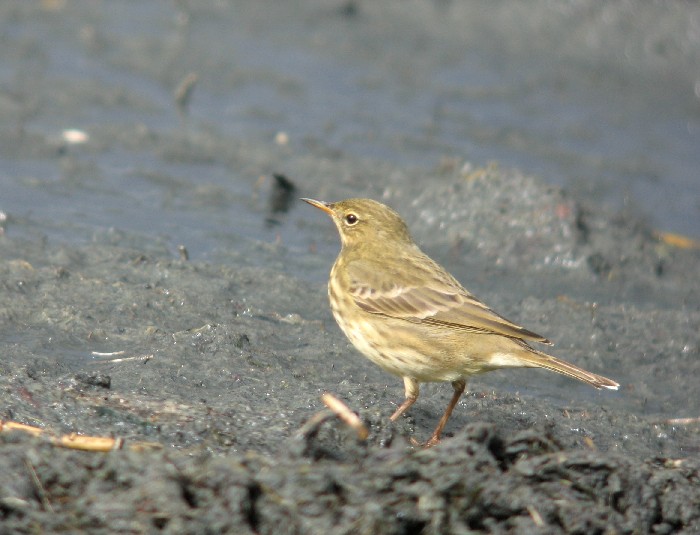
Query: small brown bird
<point>407,314</point>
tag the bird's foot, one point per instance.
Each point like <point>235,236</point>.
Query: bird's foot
<point>432,441</point>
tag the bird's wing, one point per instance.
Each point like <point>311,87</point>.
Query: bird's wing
<point>431,298</point>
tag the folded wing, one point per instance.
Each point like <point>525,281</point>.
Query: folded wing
<point>433,299</point>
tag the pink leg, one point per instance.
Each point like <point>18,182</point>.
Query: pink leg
<point>412,389</point>
<point>459,387</point>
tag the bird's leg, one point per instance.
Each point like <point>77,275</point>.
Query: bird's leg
<point>459,387</point>
<point>412,389</point>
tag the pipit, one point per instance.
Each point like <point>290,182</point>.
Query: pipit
<point>408,315</point>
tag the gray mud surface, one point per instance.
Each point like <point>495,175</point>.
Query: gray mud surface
<point>226,362</point>
<point>222,359</point>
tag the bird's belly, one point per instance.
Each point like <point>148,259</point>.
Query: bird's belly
<point>401,348</point>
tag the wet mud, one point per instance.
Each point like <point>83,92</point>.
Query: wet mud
<point>223,363</point>
<point>219,357</point>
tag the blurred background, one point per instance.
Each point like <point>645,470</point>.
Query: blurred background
<point>168,118</point>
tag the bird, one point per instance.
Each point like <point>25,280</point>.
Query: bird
<point>408,315</point>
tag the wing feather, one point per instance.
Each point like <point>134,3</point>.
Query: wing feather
<point>431,297</point>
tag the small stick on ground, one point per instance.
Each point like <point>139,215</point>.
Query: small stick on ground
<point>681,421</point>
<point>74,441</point>
<point>536,516</point>
<point>345,415</point>
<point>104,359</point>
<point>335,408</point>
<point>41,492</point>
<point>310,428</point>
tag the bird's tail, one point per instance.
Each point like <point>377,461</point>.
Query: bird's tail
<point>537,359</point>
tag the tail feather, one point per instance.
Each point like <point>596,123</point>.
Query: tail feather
<point>542,360</point>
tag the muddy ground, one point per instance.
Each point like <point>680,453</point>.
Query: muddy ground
<point>220,361</point>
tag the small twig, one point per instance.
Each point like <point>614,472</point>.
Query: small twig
<point>335,408</point>
<point>674,463</point>
<point>588,441</point>
<point>113,361</point>
<point>677,240</point>
<point>344,414</point>
<point>41,492</point>
<point>536,516</point>
<point>681,421</point>
<point>312,424</point>
<point>14,426</point>
<point>80,442</point>
<point>183,92</point>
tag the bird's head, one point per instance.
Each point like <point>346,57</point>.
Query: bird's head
<point>365,222</point>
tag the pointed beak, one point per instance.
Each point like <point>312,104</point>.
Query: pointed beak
<point>325,206</point>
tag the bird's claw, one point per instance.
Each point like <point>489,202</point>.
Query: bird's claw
<point>432,441</point>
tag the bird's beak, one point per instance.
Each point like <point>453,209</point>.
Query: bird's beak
<point>325,206</point>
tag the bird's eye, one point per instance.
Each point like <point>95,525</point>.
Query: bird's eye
<point>351,219</point>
